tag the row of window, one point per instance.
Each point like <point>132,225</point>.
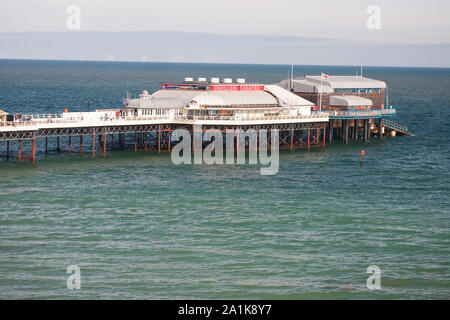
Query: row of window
<point>356,90</point>
<point>157,112</point>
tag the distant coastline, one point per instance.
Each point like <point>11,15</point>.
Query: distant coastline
<point>191,47</point>
<point>224,64</point>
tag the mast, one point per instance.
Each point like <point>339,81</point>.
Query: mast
<point>292,77</point>
<point>320,97</point>
<point>387,97</point>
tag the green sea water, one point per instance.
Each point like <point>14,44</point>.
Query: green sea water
<point>140,227</point>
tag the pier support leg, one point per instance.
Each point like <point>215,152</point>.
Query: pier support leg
<point>57,145</point>
<point>146,143</point>
<point>292,138</point>
<point>330,131</point>
<point>193,139</point>
<point>46,144</point>
<point>135,142</point>
<point>33,149</point>
<point>380,128</point>
<point>93,144</point>
<point>237,141</point>
<point>19,156</point>
<point>112,141</point>
<point>7,150</point>
<point>309,134</point>
<point>104,144</point>
<point>81,144</point>
<point>70,146</point>
<point>365,130</point>
<point>324,132</point>
<point>355,131</point>
<point>169,133</point>
<point>346,131</point>
<point>159,139</point>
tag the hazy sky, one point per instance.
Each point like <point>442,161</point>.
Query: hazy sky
<point>406,21</point>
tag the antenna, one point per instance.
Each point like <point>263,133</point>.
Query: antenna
<point>292,77</point>
<point>387,97</point>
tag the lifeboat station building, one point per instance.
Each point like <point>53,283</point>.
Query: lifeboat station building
<point>343,90</point>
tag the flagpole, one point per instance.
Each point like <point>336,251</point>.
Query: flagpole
<point>320,98</point>
<point>292,77</point>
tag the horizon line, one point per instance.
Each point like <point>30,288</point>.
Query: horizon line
<point>225,63</point>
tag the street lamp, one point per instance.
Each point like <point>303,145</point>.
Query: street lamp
<point>88,102</point>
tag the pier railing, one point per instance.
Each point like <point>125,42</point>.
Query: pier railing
<point>352,114</point>
<point>395,125</point>
<point>85,118</point>
<point>314,115</point>
<point>30,120</point>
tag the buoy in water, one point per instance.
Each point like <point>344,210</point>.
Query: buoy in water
<point>362,157</point>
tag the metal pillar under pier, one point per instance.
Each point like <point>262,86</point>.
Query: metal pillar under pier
<point>346,131</point>
<point>365,130</point>
<point>33,149</point>
<point>380,129</point>
<point>70,146</point>
<point>309,134</point>
<point>159,139</point>
<point>169,133</point>
<point>330,131</point>
<point>19,156</point>
<point>324,137</point>
<point>104,144</point>
<point>292,138</point>
<point>93,144</point>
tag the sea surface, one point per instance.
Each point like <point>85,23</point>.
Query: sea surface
<point>140,227</point>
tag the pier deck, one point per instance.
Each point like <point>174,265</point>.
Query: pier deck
<point>152,133</point>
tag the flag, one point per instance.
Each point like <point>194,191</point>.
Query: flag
<point>325,76</point>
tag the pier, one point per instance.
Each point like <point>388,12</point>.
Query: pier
<point>145,124</point>
<point>145,134</point>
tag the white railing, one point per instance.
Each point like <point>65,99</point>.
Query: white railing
<point>17,123</point>
<point>361,113</point>
<point>253,117</point>
<point>86,118</point>
<point>395,125</point>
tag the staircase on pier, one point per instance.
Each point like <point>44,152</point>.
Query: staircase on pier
<point>394,126</point>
